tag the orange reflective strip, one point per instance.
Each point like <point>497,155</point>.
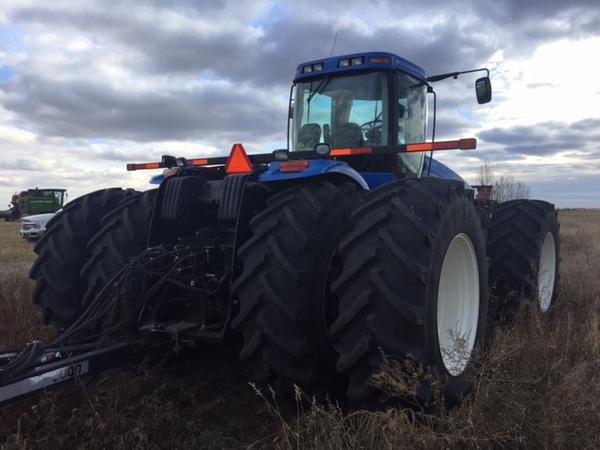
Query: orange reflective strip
<point>142,166</point>
<point>427,146</point>
<point>197,162</point>
<point>461,144</point>
<point>293,166</point>
<point>351,151</point>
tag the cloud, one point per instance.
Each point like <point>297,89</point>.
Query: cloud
<point>85,109</point>
<point>19,164</point>
<point>546,138</point>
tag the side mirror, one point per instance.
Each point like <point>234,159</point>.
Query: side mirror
<point>483,90</point>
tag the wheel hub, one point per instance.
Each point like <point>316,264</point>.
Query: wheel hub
<point>547,272</point>
<point>458,304</point>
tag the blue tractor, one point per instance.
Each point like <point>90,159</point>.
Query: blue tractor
<point>316,259</point>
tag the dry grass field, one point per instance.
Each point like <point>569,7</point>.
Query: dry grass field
<point>538,387</point>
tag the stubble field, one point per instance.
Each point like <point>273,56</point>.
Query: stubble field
<point>538,387</point>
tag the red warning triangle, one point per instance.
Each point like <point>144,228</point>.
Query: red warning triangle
<point>238,161</point>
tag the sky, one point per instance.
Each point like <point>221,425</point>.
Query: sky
<point>87,86</point>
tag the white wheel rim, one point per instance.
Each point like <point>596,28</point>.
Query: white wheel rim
<point>547,272</point>
<point>458,304</point>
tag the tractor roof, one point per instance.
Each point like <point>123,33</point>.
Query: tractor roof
<point>34,190</point>
<point>357,62</point>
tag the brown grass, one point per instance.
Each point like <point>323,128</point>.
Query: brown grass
<point>538,386</point>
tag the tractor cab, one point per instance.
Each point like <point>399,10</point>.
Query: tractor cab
<point>361,100</point>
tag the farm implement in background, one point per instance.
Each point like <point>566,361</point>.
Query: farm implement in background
<point>34,201</point>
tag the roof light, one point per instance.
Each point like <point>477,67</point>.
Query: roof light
<point>238,161</point>
<point>344,63</point>
<point>380,60</point>
<point>357,61</point>
<point>307,69</point>
<point>318,67</point>
<point>294,166</point>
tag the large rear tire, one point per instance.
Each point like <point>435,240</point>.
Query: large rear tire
<point>123,234</point>
<point>524,250</point>
<point>62,250</point>
<point>414,285</point>
<point>283,289</point>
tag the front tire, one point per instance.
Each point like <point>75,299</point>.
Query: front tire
<point>414,285</point>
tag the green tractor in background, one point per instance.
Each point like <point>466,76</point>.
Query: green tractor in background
<point>34,201</point>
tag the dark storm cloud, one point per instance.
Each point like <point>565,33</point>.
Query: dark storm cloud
<point>93,110</point>
<point>546,138</point>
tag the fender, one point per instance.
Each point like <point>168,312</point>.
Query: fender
<point>440,170</point>
<point>316,168</point>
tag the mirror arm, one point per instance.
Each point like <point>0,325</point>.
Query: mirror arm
<point>443,76</point>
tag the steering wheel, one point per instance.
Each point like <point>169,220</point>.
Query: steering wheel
<point>371,127</point>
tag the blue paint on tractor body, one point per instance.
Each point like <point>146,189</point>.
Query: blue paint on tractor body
<point>376,179</point>
<point>316,168</point>
<point>440,170</point>
<point>331,66</point>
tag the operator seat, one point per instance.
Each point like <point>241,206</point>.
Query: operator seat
<point>347,135</point>
<point>310,135</point>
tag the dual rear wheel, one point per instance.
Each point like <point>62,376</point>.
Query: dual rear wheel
<point>328,282</point>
